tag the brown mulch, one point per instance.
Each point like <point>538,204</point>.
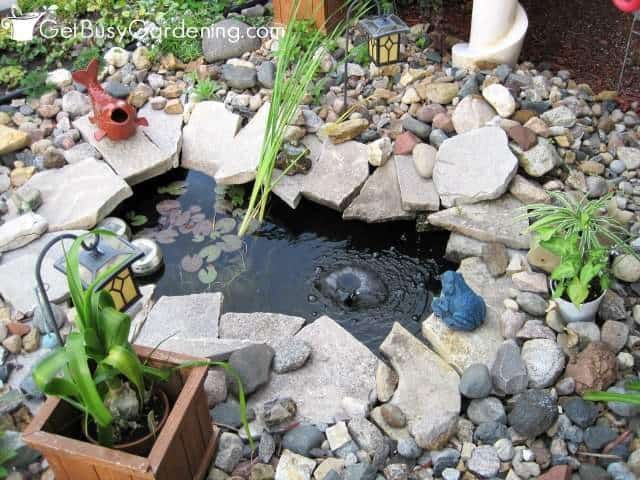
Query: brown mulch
<point>586,37</point>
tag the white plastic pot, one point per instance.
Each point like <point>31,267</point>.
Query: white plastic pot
<point>586,313</point>
<point>22,26</point>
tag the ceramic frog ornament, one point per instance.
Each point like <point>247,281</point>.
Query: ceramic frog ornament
<point>459,307</point>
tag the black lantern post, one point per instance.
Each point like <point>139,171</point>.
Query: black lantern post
<point>384,32</point>
<point>102,253</point>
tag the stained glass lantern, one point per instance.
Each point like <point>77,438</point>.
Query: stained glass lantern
<point>102,254</point>
<point>384,32</point>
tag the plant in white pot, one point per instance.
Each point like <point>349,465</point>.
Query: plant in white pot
<point>583,236</point>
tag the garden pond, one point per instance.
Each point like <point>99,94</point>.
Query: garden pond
<point>306,262</point>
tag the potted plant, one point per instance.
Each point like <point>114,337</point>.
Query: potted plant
<point>583,237</point>
<point>116,411</point>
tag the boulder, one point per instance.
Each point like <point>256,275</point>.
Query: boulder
<point>228,38</point>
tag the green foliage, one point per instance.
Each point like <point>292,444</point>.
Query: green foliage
<point>11,76</point>
<point>582,236</point>
<point>86,55</point>
<point>5,456</point>
<point>35,83</point>
<point>97,359</point>
<point>360,53</point>
<point>629,398</point>
<point>421,42</point>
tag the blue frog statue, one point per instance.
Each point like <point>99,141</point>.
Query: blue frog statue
<point>459,307</point>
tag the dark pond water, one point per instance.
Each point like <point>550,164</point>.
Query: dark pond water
<point>286,264</point>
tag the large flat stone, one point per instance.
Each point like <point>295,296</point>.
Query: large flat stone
<point>190,322</point>
<point>498,221</point>
<point>338,175</point>
<point>21,231</point>
<point>242,158</point>
<point>462,349</point>
<point>417,193</point>
<point>474,166</point>
<point>339,367</point>
<point>80,195</point>
<point>380,199</point>
<point>269,328</point>
<point>460,247</point>
<point>165,131</point>
<point>427,389</point>
<point>135,159</point>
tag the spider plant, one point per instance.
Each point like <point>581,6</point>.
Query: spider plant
<point>296,66</point>
<point>582,237</point>
<point>97,371</point>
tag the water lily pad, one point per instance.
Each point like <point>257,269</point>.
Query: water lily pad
<point>136,220</point>
<point>166,236</point>
<point>210,253</point>
<point>225,225</point>
<point>208,275</point>
<point>195,208</point>
<point>186,228</point>
<point>224,206</point>
<point>174,188</point>
<point>238,212</point>
<point>197,217</point>
<point>181,219</point>
<point>167,206</point>
<point>203,228</point>
<point>198,238</point>
<point>230,243</point>
<point>191,263</point>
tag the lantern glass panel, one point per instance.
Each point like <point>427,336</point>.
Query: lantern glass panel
<point>123,289</point>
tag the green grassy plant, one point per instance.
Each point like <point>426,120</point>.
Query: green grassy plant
<point>35,83</point>
<point>86,55</point>
<point>630,398</point>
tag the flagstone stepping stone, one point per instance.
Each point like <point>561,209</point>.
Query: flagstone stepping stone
<point>417,193</point>
<point>22,230</point>
<point>462,349</point>
<point>164,130</point>
<point>423,374</point>
<point>474,166</point>
<point>491,221</point>
<point>339,367</point>
<point>78,196</point>
<point>135,159</point>
<point>191,322</point>
<point>271,328</point>
<point>380,199</point>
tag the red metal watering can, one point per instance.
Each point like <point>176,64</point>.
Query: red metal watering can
<point>628,6</point>
<point>115,118</point>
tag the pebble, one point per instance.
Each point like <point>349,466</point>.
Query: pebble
<point>532,304</point>
<point>614,334</point>
<point>533,413</point>
<point>476,381</point>
<point>302,439</point>
<point>581,412</point>
<point>229,453</point>
<point>486,410</point>
<point>393,416</point>
<point>291,356</point>
<point>544,360</point>
<point>504,449</point>
<point>484,461</point>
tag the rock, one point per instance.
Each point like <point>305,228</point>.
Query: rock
<point>528,191</point>
<point>344,131</point>
<point>462,163</point>
<point>60,78</point>
<point>253,366</point>
<point>476,381</point>
<point>338,436</point>
<point>405,143</point>
<point>544,360</point>
<point>12,140</point>
<point>380,199</point>
<point>420,129</point>
<point>291,356</point>
<point>486,410</point>
<point>117,89</point>
<point>217,47</point>
<point>229,452</point>
<point>490,221</point>
<point>386,382</point>
<point>532,303</point>
<point>293,466</point>
<point>339,367</point>
<point>76,104</point>
<point>615,335</point>
<point>559,472</point>
<point>424,159</point>
<point>431,425</point>
<point>581,412</point>
<point>393,416</point>
<point>484,461</point>
<point>496,258</point>
<point>533,413</point>
<point>266,74</point>
<point>273,329</point>
<point>215,386</point>
<point>441,93</point>
<point>509,372</point>
<point>21,231</point>
<point>559,117</point>
<point>238,76</point>
<point>626,268</point>
<point>630,156</point>
<point>95,192</point>
<point>279,413</point>
<point>140,94</point>
<point>539,160</point>
<point>227,414</point>
<point>13,343</point>
<point>524,137</point>
<point>80,152</point>
<point>500,99</point>
<point>360,471</point>
<point>593,369</point>
<point>261,471</point>
<point>165,131</point>
<point>191,320</point>
<point>530,282</point>
<point>379,151</point>
<point>416,192</point>
<point>612,307</point>
<point>543,259</point>
<point>366,435</point>
<point>472,112</point>
<point>117,57</point>
<point>302,439</point>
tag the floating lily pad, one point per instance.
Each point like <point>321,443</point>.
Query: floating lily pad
<point>174,188</point>
<point>136,220</point>
<point>198,238</point>
<point>186,228</point>
<point>167,206</point>
<point>181,219</point>
<point>191,263</point>
<point>225,225</point>
<point>208,275</point>
<point>210,253</point>
<point>230,243</point>
<point>197,217</point>
<point>166,236</point>
<point>203,228</point>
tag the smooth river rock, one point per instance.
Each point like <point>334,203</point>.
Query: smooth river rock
<point>423,374</point>
<point>474,166</point>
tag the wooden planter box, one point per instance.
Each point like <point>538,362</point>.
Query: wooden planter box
<point>326,13</point>
<point>183,450</point>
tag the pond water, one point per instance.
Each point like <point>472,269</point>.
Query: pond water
<point>306,262</point>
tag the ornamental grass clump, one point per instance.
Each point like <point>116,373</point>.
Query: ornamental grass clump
<point>97,370</point>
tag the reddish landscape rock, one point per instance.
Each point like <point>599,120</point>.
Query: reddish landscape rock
<point>595,368</point>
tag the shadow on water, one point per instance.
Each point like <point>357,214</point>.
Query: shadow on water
<point>384,273</point>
